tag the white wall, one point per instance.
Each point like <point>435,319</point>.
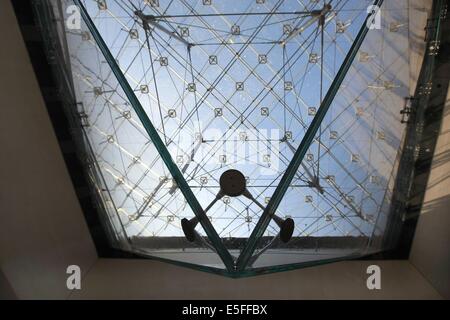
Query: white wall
<point>42,229</point>
<point>430,252</point>
<point>145,279</point>
<point>6,291</point>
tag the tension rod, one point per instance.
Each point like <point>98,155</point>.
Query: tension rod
<point>148,20</point>
<point>316,15</point>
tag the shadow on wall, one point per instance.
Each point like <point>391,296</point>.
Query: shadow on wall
<point>442,157</point>
<point>441,204</point>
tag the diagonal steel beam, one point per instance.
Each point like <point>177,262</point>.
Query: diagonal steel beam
<point>297,159</point>
<point>159,144</point>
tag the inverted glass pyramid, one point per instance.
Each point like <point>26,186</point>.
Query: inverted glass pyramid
<point>271,127</point>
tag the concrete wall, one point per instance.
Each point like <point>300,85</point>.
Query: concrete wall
<point>145,279</point>
<point>42,229</point>
<point>430,252</point>
<point>431,247</point>
<point>6,291</point>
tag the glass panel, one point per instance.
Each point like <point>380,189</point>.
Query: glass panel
<point>227,87</point>
<point>344,212</point>
<point>137,189</point>
<point>236,88</point>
